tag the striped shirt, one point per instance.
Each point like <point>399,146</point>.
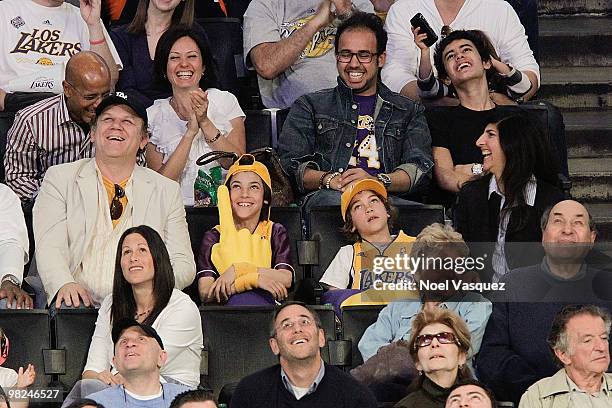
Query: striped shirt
<point>42,135</point>
<point>500,266</point>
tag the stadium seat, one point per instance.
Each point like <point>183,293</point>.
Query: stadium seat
<point>73,331</point>
<point>263,127</point>
<point>236,341</point>
<point>6,121</point>
<point>355,320</point>
<point>539,113</point>
<point>225,39</point>
<point>326,222</point>
<point>29,334</point>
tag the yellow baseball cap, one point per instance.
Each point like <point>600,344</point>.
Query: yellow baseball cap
<point>362,185</point>
<point>247,162</point>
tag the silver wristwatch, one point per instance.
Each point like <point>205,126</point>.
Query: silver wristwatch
<point>384,179</point>
<point>10,278</point>
<point>477,169</point>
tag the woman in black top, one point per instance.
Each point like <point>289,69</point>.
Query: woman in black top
<point>505,205</point>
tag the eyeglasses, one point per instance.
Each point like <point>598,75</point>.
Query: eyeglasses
<point>116,208</point>
<point>425,340</point>
<point>446,30</point>
<point>289,324</point>
<point>89,98</point>
<point>362,56</point>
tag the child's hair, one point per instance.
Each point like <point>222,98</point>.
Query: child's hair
<point>353,236</point>
<point>267,199</point>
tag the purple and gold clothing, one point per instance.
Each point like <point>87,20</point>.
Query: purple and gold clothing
<point>281,259</point>
<point>365,151</point>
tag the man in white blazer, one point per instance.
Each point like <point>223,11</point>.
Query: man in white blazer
<point>83,207</point>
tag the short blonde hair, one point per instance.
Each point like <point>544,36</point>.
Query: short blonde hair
<point>435,237</point>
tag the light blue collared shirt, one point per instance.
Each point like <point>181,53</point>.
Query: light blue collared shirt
<point>395,322</point>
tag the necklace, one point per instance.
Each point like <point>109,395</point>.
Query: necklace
<point>139,315</point>
<point>174,105</point>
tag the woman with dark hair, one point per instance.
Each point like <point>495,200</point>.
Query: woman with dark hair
<point>246,259</point>
<point>196,119</point>
<point>439,346</point>
<point>506,205</point>
<point>143,289</point>
<point>136,43</point>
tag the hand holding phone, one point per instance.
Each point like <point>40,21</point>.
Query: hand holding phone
<point>418,21</point>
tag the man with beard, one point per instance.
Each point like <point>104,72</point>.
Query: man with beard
<point>357,130</point>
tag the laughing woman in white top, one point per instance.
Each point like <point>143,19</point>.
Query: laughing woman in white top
<point>143,289</point>
<point>198,118</point>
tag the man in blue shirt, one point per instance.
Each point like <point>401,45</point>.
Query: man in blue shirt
<point>139,354</point>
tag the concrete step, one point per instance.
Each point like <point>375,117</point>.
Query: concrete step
<point>575,41</point>
<point>591,178</point>
<point>574,6</point>
<point>588,134</point>
<point>577,88</point>
<point>602,214</point>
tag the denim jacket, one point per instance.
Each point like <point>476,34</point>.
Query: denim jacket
<point>321,129</point>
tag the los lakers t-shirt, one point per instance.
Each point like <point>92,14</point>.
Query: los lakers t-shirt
<point>37,41</point>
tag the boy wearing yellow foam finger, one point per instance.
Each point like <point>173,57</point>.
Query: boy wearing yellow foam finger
<point>246,259</point>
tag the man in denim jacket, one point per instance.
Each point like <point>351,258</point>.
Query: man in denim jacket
<point>359,129</point>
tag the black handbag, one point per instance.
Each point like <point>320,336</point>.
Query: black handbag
<point>282,194</point>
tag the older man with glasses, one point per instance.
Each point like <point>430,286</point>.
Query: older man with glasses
<point>55,130</point>
<point>83,208</point>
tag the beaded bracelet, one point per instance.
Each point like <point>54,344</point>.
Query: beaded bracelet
<point>214,139</point>
<point>321,184</point>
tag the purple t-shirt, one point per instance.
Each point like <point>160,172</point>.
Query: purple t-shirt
<point>365,151</point>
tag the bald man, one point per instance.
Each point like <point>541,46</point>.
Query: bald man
<point>55,130</point>
<point>514,352</point>
<point>38,39</point>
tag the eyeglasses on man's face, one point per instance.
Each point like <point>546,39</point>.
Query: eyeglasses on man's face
<point>89,97</point>
<point>362,56</point>
<point>290,324</point>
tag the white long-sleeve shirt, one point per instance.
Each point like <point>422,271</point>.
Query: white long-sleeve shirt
<point>14,244</point>
<point>496,18</point>
<point>180,328</point>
